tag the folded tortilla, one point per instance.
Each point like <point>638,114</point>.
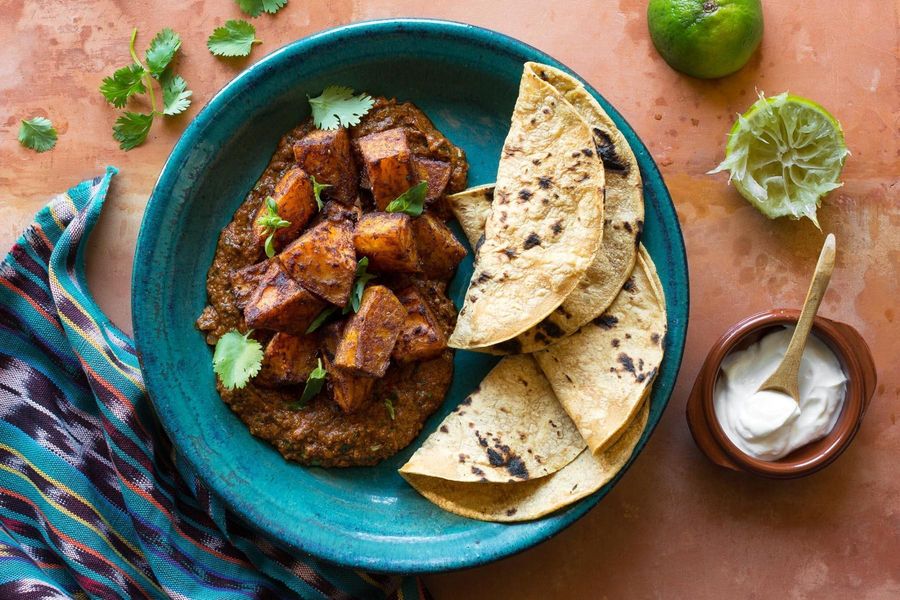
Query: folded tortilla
<point>546,222</point>
<point>528,500</point>
<point>511,428</point>
<point>624,214</point>
<point>601,373</point>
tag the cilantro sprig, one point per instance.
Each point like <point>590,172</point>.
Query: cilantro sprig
<point>389,405</point>
<point>359,285</point>
<point>131,128</point>
<point>337,107</point>
<point>235,38</point>
<point>254,8</point>
<point>317,190</point>
<point>237,359</point>
<point>321,318</point>
<point>313,386</point>
<point>37,134</point>
<point>411,202</point>
<point>270,221</point>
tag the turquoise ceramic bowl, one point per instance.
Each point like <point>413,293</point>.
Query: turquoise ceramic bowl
<point>466,80</point>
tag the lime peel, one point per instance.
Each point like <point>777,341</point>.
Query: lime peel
<point>784,154</point>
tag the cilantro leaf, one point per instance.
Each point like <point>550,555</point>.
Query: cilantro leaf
<point>161,51</point>
<point>123,84</point>
<point>359,285</point>
<point>270,222</point>
<point>131,129</point>
<point>176,96</point>
<point>317,190</point>
<point>321,318</point>
<point>236,359</point>
<point>411,202</point>
<point>389,405</point>
<point>37,134</point>
<point>254,8</point>
<point>236,38</point>
<point>337,107</point>
<point>313,386</point>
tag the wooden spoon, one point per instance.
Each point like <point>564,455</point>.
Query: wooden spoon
<point>785,379</point>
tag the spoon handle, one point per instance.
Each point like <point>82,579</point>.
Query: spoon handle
<point>786,376</point>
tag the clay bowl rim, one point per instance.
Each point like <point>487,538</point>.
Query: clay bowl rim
<point>834,444</point>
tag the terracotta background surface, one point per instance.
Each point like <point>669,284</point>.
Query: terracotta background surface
<point>676,526</point>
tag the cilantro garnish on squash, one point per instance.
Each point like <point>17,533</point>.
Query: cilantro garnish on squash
<point>337,107</point>
<point>237,359</point>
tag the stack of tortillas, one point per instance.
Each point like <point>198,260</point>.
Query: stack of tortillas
<point>563,288</point>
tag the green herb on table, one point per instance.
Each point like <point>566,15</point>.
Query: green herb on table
<point>131,128</point>
<point>271,222</point>
<point>313,386</point>
<point>317,190</point>
<point>337,107</point>
<point>37,134</point>
<point>411,202</point>
<point>235,38</point>
<point>237,359</point>
<point>389,405</point>
<point>254,8</point>
<point>321,318</point>
<point>359,285</point>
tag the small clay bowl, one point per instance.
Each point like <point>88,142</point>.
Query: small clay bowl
<point>856,360</point>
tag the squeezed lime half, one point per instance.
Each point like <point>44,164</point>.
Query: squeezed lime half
<point>784,154</point>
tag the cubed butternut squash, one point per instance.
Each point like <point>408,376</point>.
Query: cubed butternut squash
<point>389,171</point>
<point>295,203</point>
<point>288,360</point>
<point>279,303</point>
<point>388,240</point>
<point>349,390</point>
<point>439,250</point>
<point>323,260</point>
<point>369,335</point>
<point>421,337</point>
<point>326,156</point>
<point>435,172</point>
<point>244,281</point>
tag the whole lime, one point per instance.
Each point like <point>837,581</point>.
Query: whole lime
<point>705,38</point>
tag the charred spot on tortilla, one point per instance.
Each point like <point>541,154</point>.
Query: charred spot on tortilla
<point>511,150</point>
<point>531,241</point>
<point>477,471</point>
<point>587,151</point>
<point>483,277</point>
<point>627,226</point>
<point>557,227</point>
<point>615,343</point>
<point>628,286</point>
<point>509,252</point>
<point>510,346</point>
<point>444,429</point>
<point>654,337</point>
<point>511,511</point>
<point>606,321</point>
<point>468,399</point>
<point>544,182</point>
<point>640,232</point>
<point>606,149</point>
<point>479,243</point>
<point>551,329</point>
<point>525,194</point>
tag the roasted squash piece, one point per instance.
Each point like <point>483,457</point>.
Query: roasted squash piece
<point>288,359</point>
<point>323,260</point>
<point>326,156</point>
<point>349,390</point>
<point>439,250</point>
<point>369,336</point>
<point>296,204</point>
<point>388,240</point>
<point>330,337</point>
<point>435,172</point>
<point>420,337</point>
<point>245,280</point>
<point>279,303</point>
<point>388,168</point>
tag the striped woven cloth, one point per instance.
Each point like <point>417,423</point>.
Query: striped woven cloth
<point>94,501</point>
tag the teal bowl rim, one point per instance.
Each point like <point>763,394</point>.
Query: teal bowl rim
<point>496,42</point>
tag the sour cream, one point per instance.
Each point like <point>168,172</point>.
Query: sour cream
<point>769,425</point>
